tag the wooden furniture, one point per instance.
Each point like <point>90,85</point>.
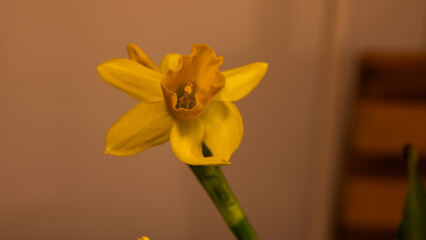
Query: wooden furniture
<point>389,112</point>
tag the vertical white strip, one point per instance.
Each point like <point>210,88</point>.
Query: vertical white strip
<point>335,91</point>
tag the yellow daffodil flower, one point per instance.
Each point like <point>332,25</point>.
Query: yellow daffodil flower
<point>186,100</point>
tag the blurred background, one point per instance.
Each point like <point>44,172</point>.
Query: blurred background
<point>320,158</point>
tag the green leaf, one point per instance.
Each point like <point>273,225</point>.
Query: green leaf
<point>413,226</point>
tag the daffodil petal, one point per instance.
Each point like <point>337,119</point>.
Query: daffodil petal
<point>170,61</point>
<point>223,128</point>
<point>186,138</point>
<point>137,55</point>
<point>241,81</point>
<point>143,238</point>
<point>144,126</point>
<point>136,80</point>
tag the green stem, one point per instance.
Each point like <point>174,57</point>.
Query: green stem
<point>213,181</point>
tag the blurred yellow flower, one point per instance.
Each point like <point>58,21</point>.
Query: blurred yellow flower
<point>186,100</point>
<point>143,238</point>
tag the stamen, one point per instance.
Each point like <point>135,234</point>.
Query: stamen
<point>185,101</point>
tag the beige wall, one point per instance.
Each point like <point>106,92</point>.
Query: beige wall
<point>354,28</point>
<point>55,181</point>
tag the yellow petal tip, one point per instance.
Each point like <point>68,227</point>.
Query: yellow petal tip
<point>143,238</point>
<point>107,151</point>
<point>131,45</point>
<point>263,67</point>
<point>100,68</point>
<point>137,55</point>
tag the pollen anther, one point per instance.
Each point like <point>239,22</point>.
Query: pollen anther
<point>186,101</point>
